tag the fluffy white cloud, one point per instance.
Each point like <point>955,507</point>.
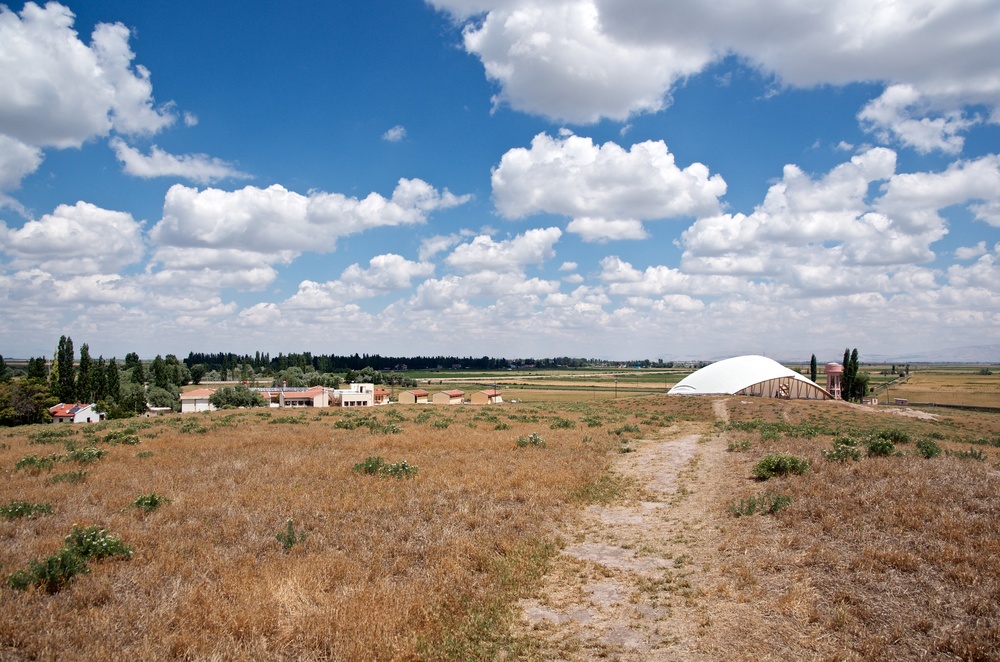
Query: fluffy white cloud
<point>199,168</point>
<point>77,239</point>
<point>16,161</point>
<point>395,134</point>
<point>607,189</point>
<point>602,230</point>
<point>508,255</point>
<point>970,252</point>
<point>385,274</point>
<point>581,60</point>
<point>824,236</point>
<point>61,92</point>
<point>902,112</point>
<point>277,224</point>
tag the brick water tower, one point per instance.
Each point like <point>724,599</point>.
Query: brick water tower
<point>833,373</point>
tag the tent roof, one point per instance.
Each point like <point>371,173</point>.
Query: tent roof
<point>743,374</point>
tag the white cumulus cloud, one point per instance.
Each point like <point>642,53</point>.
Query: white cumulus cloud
<point>607,189</point>
<point>508,255</point>
<point>199,168</point>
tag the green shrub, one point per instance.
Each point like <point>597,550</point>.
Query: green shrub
<point>971,454</point>
<point>289,537</point>
<point>531,440</point>
<point>844,448</point>
<point>126,436</point>
<point>95,543</point>
<point>779,464</point>
<point>501,426</point>
<point>738,446</point>
<point>69,477</point>
<point>52,574</point>
<point>765,504</point>
<point>194,427</point>
<point>441,424</point>
<point>144,454</point>
<point>57,570</point>
<point>88,454</point>
<point>895,435</point>
<point>562,424</point>
<point>17,509</point>
<point>879,447</point>
<point>52,435</point>
<point>377,466</point>
<point>34,464</point>
<point>149,502</point>
<point>928,448</point>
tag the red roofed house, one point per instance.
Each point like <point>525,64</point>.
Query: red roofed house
<point>413,397</point>
<point>75,413</point>
<point>491,397</point>
<point>448,397</point>
<point>381,396</point>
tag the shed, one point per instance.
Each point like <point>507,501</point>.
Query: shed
<point>491,397</point>
<point>197,400</point>
<point>413,397</point>
<point>448,397</point>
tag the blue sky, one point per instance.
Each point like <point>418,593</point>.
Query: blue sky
<point>599,178</point>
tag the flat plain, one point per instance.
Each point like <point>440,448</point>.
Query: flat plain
<point>593,529</point>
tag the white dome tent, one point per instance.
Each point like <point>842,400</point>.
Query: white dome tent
<point>750,375</point>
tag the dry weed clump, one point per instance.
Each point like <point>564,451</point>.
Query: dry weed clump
<point>383,569</point>
<point>885,557</point>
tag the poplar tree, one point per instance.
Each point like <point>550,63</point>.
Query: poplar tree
<point>812,368</point>
<point>85,376</point>
<point>65,380</point>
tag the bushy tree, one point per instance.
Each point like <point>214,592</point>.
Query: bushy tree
<point>164,397</point>
<point>3,370</point>
<point>231,397</point>
<point>37,369</point>
<point>24,402</point>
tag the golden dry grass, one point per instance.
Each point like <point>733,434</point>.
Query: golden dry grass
<point>887,558</point>
<point>955,386</point>
<point>391,569</point>
<point>883,558</point>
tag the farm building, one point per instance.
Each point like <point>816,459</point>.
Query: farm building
<point>197,400</point>
<point>75,413</point>
<point>491,397</point>
<point>413,397</point>
<point>381,396</point>
<point>753,376</point>
<point>448,397</point>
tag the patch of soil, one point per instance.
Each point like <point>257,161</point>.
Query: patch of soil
<point>629,584</point>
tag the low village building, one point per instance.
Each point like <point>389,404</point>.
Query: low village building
<point>381,396</point>
<point>448,397</point>
<point>414,396</point>
<point>197,400</point>
<point>491,397</point>
<point>75,413</point>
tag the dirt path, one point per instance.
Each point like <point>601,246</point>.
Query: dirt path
<point>630,583</point>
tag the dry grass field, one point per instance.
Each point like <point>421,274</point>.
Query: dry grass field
<point>492,549</point>
<point>953,385</point>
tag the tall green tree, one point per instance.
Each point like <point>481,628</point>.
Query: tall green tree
<point>812,368</point>
<point>114,390</point>
<point>100,379</point>
<point>85,375</point>
<point>3,370</point>
<point>65,385</point>
<point>158,373</point>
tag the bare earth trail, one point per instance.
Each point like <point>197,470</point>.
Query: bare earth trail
<point>631,580</point>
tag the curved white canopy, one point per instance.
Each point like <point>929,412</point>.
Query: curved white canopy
<point>750,375</point>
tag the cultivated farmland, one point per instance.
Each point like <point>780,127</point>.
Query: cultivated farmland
<point>629,528</point>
